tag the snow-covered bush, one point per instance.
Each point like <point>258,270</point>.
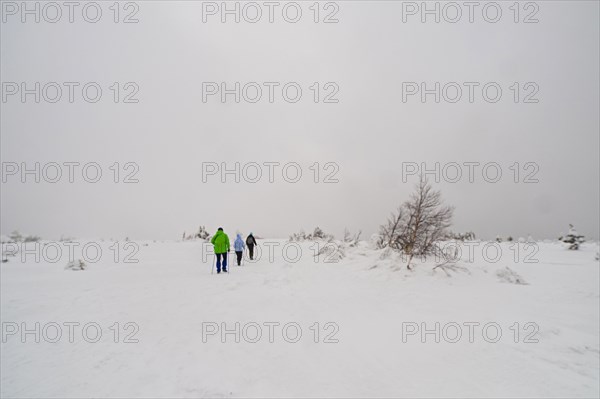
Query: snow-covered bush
<point>317,234</point>
<point>331,251</point>
<point>351,240</point>
<point>202,233</point>
<point>450,235</point>
<point>15,236</point>
<point>76,265</point>
<point>573,239</point>
<point>468,236</point>
<point>300,236</point>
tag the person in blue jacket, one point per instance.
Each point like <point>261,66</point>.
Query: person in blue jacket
<point>239,246</point>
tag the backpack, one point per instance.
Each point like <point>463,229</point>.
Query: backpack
<point>250,240</point>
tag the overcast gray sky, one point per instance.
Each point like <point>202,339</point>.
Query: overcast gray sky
<point>366,136</point>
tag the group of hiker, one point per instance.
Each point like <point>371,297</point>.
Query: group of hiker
<point>220,242</point>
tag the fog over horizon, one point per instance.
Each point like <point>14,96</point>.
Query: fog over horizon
<point>177,130</point>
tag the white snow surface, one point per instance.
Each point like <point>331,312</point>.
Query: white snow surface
<point>170,295</point>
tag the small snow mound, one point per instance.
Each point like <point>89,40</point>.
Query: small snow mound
<point>76,265</point>
<point>507,275</point>
<point>386,253</point>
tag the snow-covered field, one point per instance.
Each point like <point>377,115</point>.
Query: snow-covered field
<point>367,306</point>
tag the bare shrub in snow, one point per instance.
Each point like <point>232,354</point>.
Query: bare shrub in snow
<point>450,257</point>
<point>418,224</point>
<point>76,265</point>
<point>507,275</point>
<point>389,233</point>
<point>450,266</point>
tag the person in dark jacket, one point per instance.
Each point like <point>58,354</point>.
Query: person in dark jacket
<point>251,242</point>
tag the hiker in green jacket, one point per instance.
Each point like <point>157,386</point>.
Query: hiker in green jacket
<point>220,242</point>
